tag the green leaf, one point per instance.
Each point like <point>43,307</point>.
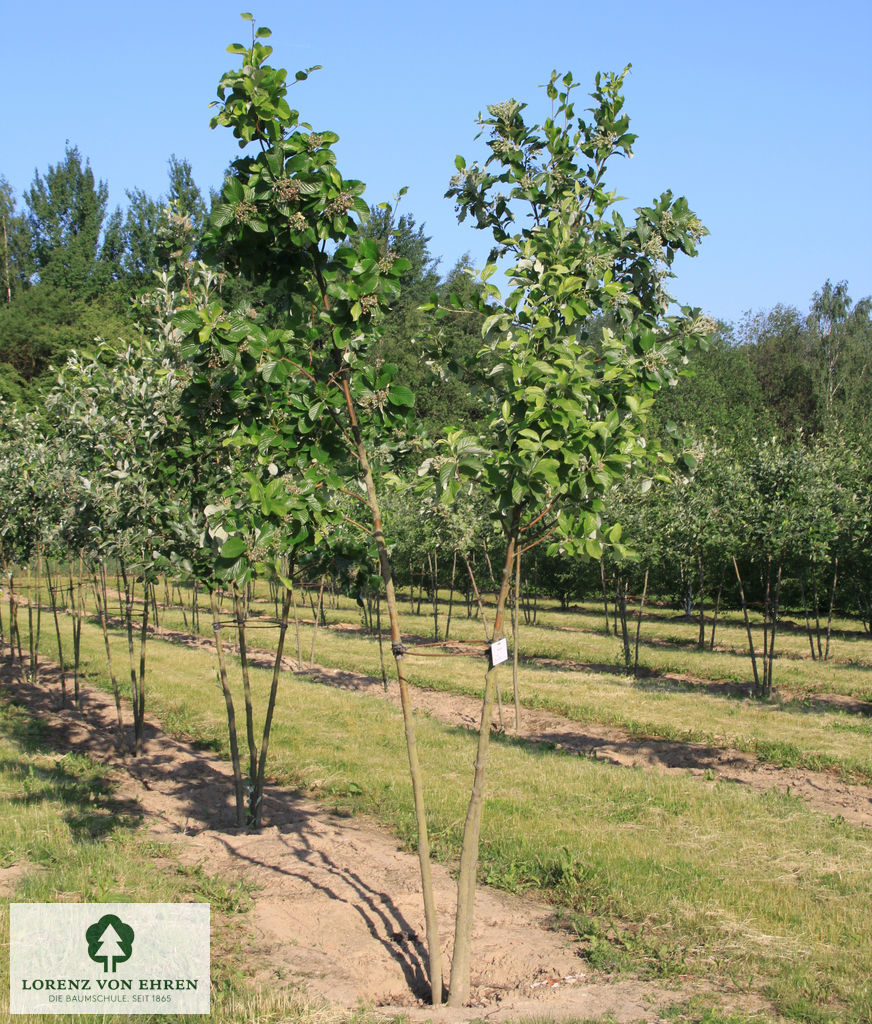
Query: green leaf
<point>232,548</point>
<point>188,320</point>
<point>399,394</point>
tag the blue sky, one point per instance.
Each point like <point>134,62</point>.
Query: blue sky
<point>760,113</point>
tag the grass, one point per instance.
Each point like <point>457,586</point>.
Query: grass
<point>656,875</point>
<point>758,891</point>
<point>786,733</point>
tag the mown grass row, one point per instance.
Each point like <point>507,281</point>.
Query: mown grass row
<point>787,734</point>
<point>662,875</point>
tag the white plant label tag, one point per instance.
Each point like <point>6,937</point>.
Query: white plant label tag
<point>499,652</point>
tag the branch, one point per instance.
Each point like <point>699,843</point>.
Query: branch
<point>360,526</point>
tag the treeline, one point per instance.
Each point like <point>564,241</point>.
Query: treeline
<point>782,371</point>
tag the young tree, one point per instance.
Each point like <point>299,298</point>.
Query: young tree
<point>568,410</point>
<point>285,217</point>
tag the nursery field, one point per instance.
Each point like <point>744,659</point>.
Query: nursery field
<point>701,855</point>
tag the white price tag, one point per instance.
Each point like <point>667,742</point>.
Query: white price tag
<point>499,652</point>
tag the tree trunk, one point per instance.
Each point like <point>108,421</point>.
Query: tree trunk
<point>451,594</point>
<point>807,620</point>
<point>255,807</point>
<point>639,626</point>
<point>832,605</point>
<point>318,614</point>
<point>101,599</point>
<point>747,627</point>
<point>717,609</point>
<point>605,597</point>
<point>238,785</point>
<point>241,619</point>
<point>458,993</point>
<point>515,642</point>
<point>432,926</point>
<point>54,610</point>
<point>139,708</point>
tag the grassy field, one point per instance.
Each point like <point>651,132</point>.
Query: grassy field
<point>660,876</point>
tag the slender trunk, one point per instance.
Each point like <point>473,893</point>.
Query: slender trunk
<point>255,810</point>
<point>78,615</point>
<point>31,634</point>
<point>241,617</point>
<point>139,716</point>
<point>101,599</point>
<point>297,631</point>
<point>717,609</point>
<point>766,618</point>
<point>621,613</point>
<point>451,594</point>
<point>605,594</point>
<point>35,666</point>
<point>318,613</point>
<point>832,605</point>
<point>775,608</point>
<point>458,993</point>
<point>182,606</point>
<point>807,620</point>
<point>381,646</point>
<point>431,923</point>
<point>817,617</point>
<point>14,632</point>
<point>639,625</point>
<point>701,640</point>
<point>238,785</point>
<point>434,583</point>
<point>515,641</point>
<point>490,568</point>
<point>54,610</point>
<point>477,593</point>
<point>747,626</point>
<point>128,620</point>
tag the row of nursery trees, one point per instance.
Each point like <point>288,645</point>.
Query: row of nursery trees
<point>237,442</point>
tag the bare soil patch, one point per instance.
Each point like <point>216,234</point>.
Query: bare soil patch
<point>337,903</point>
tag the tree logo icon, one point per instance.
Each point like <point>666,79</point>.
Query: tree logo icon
<point>110,942</point>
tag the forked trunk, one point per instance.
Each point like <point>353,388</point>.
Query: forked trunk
<point>255,808</point>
